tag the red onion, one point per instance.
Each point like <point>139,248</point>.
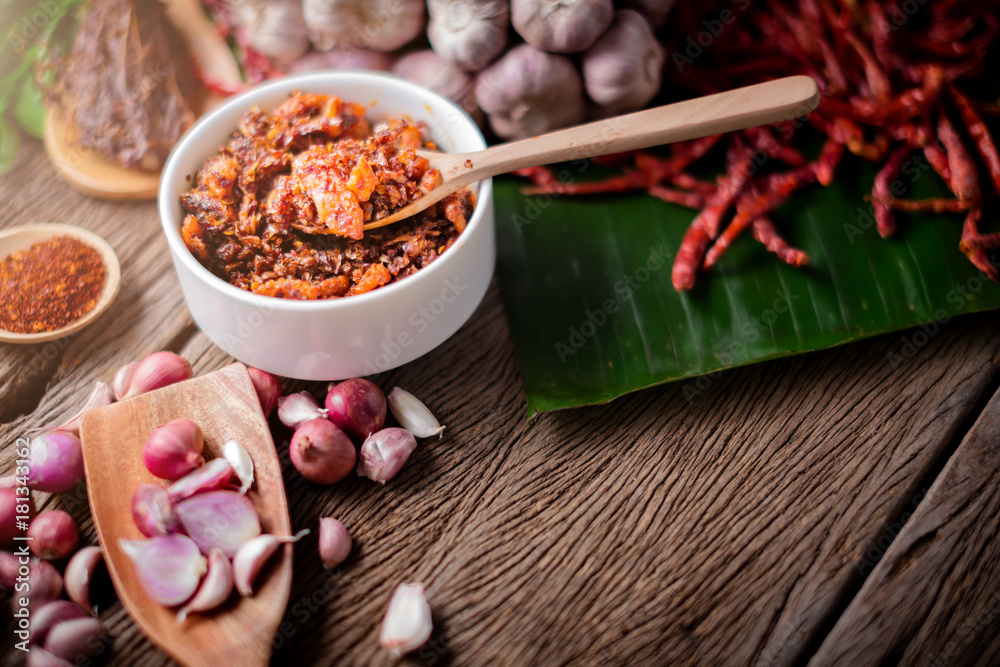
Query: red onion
<point>159,369</point>
<point>296,409</point>
<point>79,574</point>
<point>334,542</point>
<point>268,388</point>
<point>321,452</point>
<point>357,406</point>
<point>174,449</point>
<point>169,568</point>
<point>55,462</point>
<point>153,512</point>
<point>213,475</point>
<point>76,639</point>
<point>224,519</point>
<point>12,505</point>
<point>53,535</point>
<point>384,453</point>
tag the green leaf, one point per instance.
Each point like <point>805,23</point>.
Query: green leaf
<point>594,315</point>
<point>29,109</point>
<point>10,141</point>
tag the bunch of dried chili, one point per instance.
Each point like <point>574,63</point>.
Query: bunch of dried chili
<point>891,83</point>
<point>50,285</point>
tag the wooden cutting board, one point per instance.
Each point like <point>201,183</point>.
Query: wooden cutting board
<point>225,405</point>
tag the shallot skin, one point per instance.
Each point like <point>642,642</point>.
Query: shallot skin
<point>357,406</point>
<point>321,452</point>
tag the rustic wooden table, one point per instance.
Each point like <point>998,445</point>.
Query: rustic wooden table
<point>834,508</point>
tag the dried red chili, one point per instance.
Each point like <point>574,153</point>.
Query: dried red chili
<point>51,284</point>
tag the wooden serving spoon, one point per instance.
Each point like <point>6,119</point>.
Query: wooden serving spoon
<point>21,238</point>
<point>225,405</point>
<point>760,104</point>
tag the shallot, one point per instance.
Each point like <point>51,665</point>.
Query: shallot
<point>215,588</point>
<point>76,639</point>
<point>39,657</point>
<point>239,459</point>
<point>253,555</point>
<point>224,519</point>
<point>334,542</point>
<point>158,370</point>
<point>123,380</point>
<point>413,415</point>
<point>80,573</point>
<point>215,474</point>
<point>169,568</point>
<point>9,565</point>
<point>100,396</point>
<point>55,462</point>
<point>153,511</point>
<point>44,585</point>
<point>357,406</point>
<point>174,449</point>
<point>268,388</point>
<point>298,408</point>
<point>407,624</point>
<point>53,535</point>
<point>52,614</point>
<point>321,452</point>
<point>384,453</point>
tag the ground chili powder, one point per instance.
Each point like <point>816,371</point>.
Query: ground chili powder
<point>49,285</point>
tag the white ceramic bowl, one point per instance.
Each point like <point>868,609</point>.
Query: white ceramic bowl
<point>356,335</point>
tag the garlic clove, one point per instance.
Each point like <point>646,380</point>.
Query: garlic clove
<point>80,572</point>
<point>268,388</point>
<point>334,542</point>
<point>216,587</point>
<point>384,453</point>
<point>407,624</point>
<point>50,615</point>
<point>253,555</point>
<point>224,519</point>
<point>413,415</point>
<point>562,26</point>
<point>174,449</point>
<point>123,380</point>
<point>169,568</point>
<point>100,396</point>
<point>39,657</point>
<point>75,639</point>
<point>213,475</point>
<point>153,511</point>
<point>298,408</point>
<point>239,459</point>
<point>622,71</point>
<point>159,369</point>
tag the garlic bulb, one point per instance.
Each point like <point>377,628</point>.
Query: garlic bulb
<point>430,70</point>
<point>274,28</point>
<point>469,33</point>
<point>654,11</point>
<point>528,92</point>
<point>622,71</point>
<point>564,26</point>
<point>342,58</point>
<point>382,25</point>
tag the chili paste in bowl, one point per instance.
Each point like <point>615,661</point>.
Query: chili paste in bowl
<point>280,209</point>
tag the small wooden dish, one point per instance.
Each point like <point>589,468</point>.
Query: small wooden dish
<point>225,405</point>
<point>22,238</point>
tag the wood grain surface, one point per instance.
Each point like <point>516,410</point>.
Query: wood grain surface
<point>732,524</point>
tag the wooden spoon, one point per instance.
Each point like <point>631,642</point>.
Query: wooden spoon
<point>760,104</point>
<point>225,405</point>
<point>21,238</point>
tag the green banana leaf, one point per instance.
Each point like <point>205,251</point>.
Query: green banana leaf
<point>586,286</point>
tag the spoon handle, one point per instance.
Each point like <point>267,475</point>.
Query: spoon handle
<point>760,104</point>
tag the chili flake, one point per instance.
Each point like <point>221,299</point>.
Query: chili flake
<point>51,284</point>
